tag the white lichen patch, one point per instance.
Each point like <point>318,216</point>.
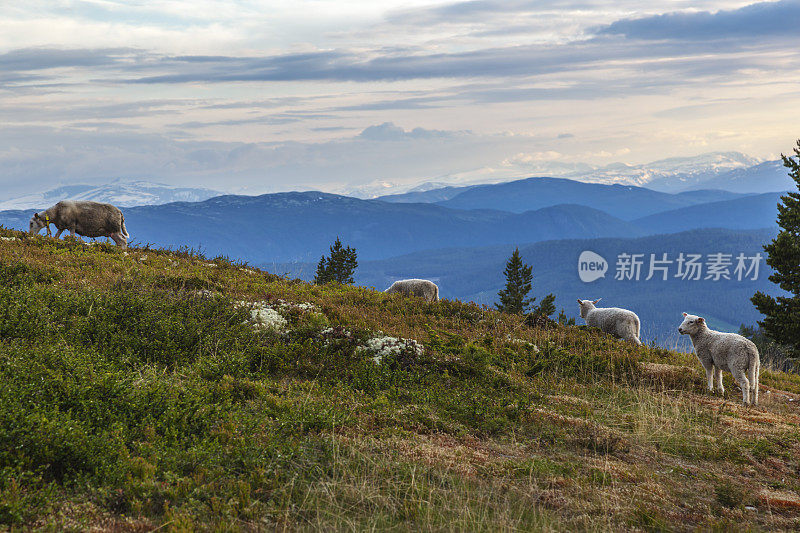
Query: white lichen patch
<point>384,346</point>
<point>335,333</point>
<point>267,317</point>
<point>263,316</point>
<point>522,342</point>
<point>8,238</point>
<point>205,293</point>
<point>288,307</point>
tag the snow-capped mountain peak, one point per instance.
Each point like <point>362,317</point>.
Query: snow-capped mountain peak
<point>119,193</point>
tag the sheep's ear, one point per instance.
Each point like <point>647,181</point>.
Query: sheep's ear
<point>579,301</point>
<point>594,302</point>
<point>685,314</point>
<point>36,216</point>
<point>701,320</point>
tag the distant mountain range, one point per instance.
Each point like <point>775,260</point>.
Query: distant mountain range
<point>300,226</point>
<point>767,176</point>
<point>119,193</point>
<point>672,175</point>
<point>623,201</point>
<point>726,171</point>
<point>426,196</point>
<point>749,212</point>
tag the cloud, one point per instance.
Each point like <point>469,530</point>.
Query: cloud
<point>226,98</point>
<point>755,21</point>
<point>330,128</point>
<point>479,10</point>
<point>425,102</point>
<point>517,61</point>
<point>388,131</point>
<point>37,157</point>
<point>27,59</point>
<point>642,44</point>
<point>274,119</point>
<point>69,110</point>
<point>549,155</point>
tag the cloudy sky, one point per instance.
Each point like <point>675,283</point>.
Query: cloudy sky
<point>258,96</point>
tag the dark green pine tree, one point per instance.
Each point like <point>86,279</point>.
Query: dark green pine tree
<point>547,306</point>
<point>782,314</point>
<point>323,275</point>
<point>339,267</point>
<point>519,281</point>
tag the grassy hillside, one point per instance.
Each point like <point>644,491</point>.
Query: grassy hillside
<point>139,392</point>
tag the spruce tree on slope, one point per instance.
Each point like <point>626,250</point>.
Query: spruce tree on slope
<point>782,314</point>
<point>519,281</point>
<point>339,266</point>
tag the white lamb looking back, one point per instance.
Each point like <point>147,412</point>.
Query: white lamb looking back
<point>621,323</point>
<point>718,351</point>
<point>427,290</point>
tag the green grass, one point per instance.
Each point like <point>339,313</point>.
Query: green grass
<point>138,395</point>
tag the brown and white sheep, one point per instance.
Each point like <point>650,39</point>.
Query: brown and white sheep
<point>88,219</point>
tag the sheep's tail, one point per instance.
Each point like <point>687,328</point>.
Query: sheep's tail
<point>124,229</point>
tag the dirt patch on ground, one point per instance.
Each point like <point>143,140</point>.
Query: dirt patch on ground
<point>780,500</point>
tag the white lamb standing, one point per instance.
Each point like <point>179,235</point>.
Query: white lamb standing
<point>718,351</point>
<point>427,290</point>
<point>621,323</point>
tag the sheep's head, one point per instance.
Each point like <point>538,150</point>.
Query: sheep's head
<point>36,224</point>
<point>586,306</point>
<point>691,324</point>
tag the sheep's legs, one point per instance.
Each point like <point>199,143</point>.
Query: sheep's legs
<point>710,377</point>
<point>753,376</point>
<point>73,234</point>
<point>720,388</point>
<point>58,233</point>
<point>119,240</point>
<point>744,384</point>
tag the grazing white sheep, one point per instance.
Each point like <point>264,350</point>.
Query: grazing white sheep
<point>89,219</point>
<point>718,351</point>
<point>427,290</point>
<point>621,323</point>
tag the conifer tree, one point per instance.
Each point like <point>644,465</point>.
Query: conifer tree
<point>339,267</point>
<point>782,314</point>
<point>547,306</point>
<point>519,281</point>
